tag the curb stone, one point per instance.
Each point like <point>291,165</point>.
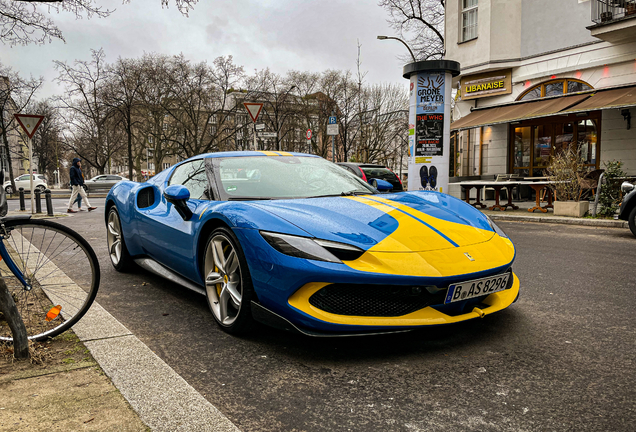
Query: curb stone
<point>604,223</point>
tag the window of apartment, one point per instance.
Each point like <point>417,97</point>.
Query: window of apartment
<point>166,165</point>
<point>469,20</point>
<point>554,88</point>
<point>150,138</point>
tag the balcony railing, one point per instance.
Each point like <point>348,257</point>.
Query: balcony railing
<point>605,11</point>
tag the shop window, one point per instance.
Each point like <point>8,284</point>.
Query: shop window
<point>587,136</point>
<point>469,20</point>
<point>554,88</point>
<point>534,145</point>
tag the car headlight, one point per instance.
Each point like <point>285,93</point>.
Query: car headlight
<point>496,228</point>
<point>627,187</point>
<point>315,249</point>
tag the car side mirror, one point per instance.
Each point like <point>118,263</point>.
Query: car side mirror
<point>178,195</point>
<point>381,185</point>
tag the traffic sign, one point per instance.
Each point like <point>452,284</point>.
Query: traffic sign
<point>308,135</point>
<point>332,120</point>
<point>29,123</point>
<point>266,134</point>
<point>253,109</point>
<point>332,129</point>
<point>259,126</point>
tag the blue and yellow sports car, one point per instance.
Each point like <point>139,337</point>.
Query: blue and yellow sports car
<point>299,243</point>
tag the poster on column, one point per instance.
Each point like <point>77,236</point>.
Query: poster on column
<point>429,131</point>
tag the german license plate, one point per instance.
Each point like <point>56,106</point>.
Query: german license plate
<point>475,288</point>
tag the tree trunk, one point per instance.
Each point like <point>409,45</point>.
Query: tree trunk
<point>11,314</point>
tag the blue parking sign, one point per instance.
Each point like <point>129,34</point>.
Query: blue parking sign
<point>332,120</point>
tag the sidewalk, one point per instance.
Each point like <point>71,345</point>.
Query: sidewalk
<point>523,215</point>
<point>105,378</point>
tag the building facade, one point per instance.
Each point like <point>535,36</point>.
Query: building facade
<point>538,76</point>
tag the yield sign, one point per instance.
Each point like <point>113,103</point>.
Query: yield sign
<point>254,109</point>
<point>29,123</point>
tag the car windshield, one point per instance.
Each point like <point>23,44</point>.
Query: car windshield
<point>280,177</point>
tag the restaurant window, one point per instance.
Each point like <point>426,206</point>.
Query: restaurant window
<point>469,20</point>
<point>535,142</point>
<point>554,88</point>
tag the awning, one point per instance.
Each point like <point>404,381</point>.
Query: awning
<point>606,99</point>
<point>589,101</point>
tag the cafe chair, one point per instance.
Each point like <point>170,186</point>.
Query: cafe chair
<point>589,182</point>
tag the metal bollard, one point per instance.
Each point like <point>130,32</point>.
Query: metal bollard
<point>22,206</point>
<point>38,201</point>
<point>49,202</point>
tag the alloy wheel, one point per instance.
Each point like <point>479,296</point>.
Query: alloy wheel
<point>223,282</point>
<point>114,238</point>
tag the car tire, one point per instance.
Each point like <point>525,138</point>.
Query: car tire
<point>228,283</point>
<point>40,188</point>
<point>117,250</point>
<point>631,220</point>
<point>9,190</point>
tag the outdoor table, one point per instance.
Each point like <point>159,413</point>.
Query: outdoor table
<point>538,186</point>
<point>497,186</point>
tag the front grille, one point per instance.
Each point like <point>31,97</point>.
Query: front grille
<point>373,300</point>
<point>387,300</point>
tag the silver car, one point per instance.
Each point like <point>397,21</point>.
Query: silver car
<point>102,182</point>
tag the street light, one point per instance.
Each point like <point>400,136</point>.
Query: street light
<point>398,39</point>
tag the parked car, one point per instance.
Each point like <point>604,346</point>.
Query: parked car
<point>298,243</point>
<point>367,172</point>
<point>102,182</point>
<point>39,183</point>
<point>628,206</point>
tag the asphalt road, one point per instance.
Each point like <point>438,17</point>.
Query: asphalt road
<point>561,359</point>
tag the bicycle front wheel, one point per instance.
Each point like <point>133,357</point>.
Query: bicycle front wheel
<point>61,272</point>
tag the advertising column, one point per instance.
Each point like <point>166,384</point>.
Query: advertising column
<point>429,123</point>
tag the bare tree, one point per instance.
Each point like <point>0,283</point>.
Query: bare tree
<point>84,108</point>
<point>122,94</point>
<point>16,93</point>
<point>197,104</point>
<point>47,139</point>
<point>29,21</point>
<point>420,23</point>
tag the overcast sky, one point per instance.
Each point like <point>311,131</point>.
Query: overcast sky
<point>305,35</point>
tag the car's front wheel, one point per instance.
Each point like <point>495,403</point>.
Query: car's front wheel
<point>632,221</point>
<point>40,188</point>
<point>228,283</point>
<point>119,256</point>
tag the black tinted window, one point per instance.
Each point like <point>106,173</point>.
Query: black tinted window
<point>192,175</point>
<point>379,173</point>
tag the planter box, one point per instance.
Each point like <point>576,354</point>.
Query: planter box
<point>571,208</point>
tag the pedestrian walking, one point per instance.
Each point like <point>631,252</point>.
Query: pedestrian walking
<point>78,200</point>
<point>77,183</point>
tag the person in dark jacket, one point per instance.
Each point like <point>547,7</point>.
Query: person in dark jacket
<point>77,183</point>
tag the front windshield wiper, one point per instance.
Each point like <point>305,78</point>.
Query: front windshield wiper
<point>348,193</point>
<point>243,198</point>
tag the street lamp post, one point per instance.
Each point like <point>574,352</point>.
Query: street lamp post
<point>398,39</point>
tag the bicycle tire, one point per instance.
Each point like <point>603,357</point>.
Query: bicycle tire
<point>63,272</point>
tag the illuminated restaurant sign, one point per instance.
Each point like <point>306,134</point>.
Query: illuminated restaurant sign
<point>487,84</point>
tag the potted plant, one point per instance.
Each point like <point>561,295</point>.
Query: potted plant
<point>566,171</point>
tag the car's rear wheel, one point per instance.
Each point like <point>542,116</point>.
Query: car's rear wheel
<point>632,221</point>
<point>119,256</point>
<point>9,189</point>
<point>228,283</point>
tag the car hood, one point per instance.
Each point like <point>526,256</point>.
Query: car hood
<point>401,222</point>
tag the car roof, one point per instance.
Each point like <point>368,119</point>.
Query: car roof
<point>252,153</point>
<point>362,165</point>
